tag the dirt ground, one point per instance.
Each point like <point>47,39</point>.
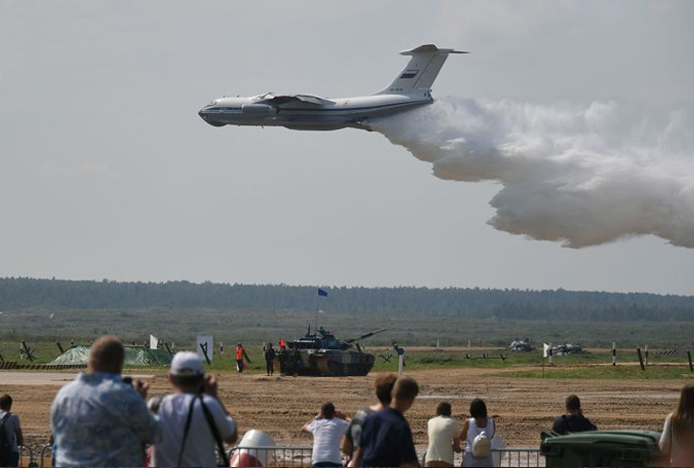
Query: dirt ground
<point>281,405</point>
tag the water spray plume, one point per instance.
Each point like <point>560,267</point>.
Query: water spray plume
<point>579,175</point>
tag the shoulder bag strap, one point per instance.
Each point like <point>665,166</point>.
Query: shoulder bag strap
<point>215,433</point>
<point>7,415</point>
<point>187,428</point>
<point>493,428</point>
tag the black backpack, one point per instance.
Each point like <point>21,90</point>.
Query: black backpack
<point>5,446</point>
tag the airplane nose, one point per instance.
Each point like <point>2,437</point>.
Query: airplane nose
<point>204,115</point>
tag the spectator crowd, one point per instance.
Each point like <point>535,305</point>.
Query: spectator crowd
<point>104,419</point>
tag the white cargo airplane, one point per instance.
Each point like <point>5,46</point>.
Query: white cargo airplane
<point>411,89</point>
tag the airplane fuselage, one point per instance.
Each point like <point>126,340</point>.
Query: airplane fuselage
<point>410,89</point>
<point>316,114</point>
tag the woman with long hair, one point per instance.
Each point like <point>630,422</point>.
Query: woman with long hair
<point>478,425</point>
<point>677,439</point>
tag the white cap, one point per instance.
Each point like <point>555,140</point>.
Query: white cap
<point>186,363</point>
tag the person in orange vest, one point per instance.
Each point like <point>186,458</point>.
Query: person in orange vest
<point>240,355</point>
<point>283,356</point>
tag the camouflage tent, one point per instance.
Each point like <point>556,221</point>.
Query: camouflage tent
<point>134,356</point>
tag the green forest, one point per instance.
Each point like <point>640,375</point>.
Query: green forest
<point>552,305</point>
<point>177,311</point>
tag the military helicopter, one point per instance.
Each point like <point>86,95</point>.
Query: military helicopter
<point>518,345</point>
<point>566,349</point>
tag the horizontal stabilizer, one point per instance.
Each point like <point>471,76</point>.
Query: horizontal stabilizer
<point>431,48</point>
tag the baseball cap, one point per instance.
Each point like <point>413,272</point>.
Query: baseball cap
<point>186,363</point>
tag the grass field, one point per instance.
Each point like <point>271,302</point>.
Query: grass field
<point>587,365</point>
<point>254,327</point>
<point>591,365</point>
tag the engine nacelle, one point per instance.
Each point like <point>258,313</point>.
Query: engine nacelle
<point>258,109</point>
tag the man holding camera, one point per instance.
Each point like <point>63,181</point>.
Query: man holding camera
<point>99,419</point>
<point>193,420</point>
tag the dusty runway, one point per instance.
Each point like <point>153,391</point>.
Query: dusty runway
<point>281,405</point>
<point>47,378</point>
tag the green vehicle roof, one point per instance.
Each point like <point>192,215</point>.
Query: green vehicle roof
<point>621,438</point>
<point>601,448</point>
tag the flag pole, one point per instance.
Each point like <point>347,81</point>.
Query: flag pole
<point>317,295</point>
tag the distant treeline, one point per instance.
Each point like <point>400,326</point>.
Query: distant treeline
<point>556,305</point>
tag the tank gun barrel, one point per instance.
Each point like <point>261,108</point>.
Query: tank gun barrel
<point>365,335</point>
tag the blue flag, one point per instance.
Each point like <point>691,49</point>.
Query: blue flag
<point>322,293</point>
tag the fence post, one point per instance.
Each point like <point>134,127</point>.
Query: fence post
<point>638,351</point>
<point>43,454</point>
<point>689,358</point>
<point>31,455</point>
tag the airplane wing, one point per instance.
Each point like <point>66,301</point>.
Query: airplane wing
<point>306,99</point>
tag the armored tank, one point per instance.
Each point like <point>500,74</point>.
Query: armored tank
<point>321,354</point>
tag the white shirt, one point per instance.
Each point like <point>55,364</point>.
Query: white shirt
<point>473,431</point>
<point>327,434</point>
<point>200,445</point>
<point>10,427</point>
<point>442,430</point>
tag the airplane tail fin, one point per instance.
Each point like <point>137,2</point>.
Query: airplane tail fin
<point>421,71</point>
